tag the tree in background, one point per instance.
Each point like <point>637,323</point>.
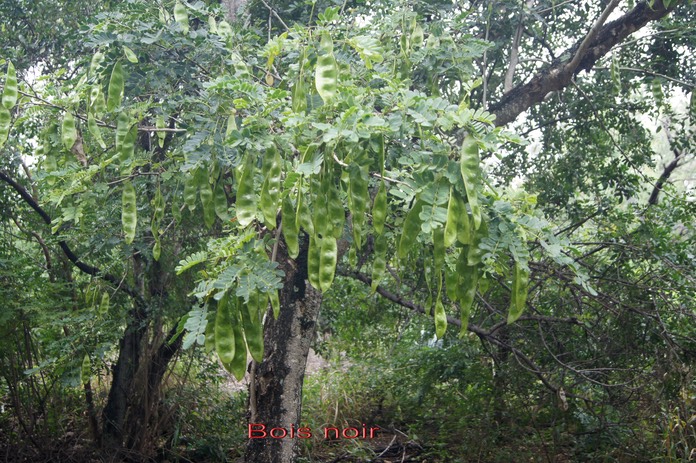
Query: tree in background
<point>355,139</point>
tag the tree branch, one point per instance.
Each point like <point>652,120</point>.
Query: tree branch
<point>580,57</point>
<point>591,35</point>
<point>514,58</point>
<point>666,173</point>
<point>524,360</point>
<point>273,12</point>
<point>86,268</point>
<point>402,301</point>
<point>37,237</point>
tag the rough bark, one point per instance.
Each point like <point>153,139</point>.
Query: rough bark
<point>143,420</point>
<point>276,400</point>
<point>233,7</point>
<point>561,72</point>
<point>119,400</point>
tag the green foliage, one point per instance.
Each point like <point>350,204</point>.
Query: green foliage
<point>195,325</point>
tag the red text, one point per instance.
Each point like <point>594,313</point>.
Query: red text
<point>258,431</point>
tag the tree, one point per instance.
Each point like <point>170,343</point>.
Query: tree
<point>357,138</point>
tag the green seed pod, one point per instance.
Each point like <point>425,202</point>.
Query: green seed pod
<point>440,319</point>
<point>320,212</point>
<point>439,248</point>
<point>475,253</point>
<point>95,64</point>
<point>358,197</point>
<point>10,93</point>
<point>5,122</point>
<point>326,77</point>
<point>224,333</point>
<point>94,130</point>
<point>464,232</point>
<point>615,74</point>
<point>452,220</point>
<point>128,145</point>
<point>337,214</point>
<point>470,166</point>
<point>220,201</point>
<point>466,289</point>
<point>238,364</point>
<point>518,294</point>
<point>104,303</point>
<point>156,249</point>
<point>208,205</point>
<point>658,94</point>
<point>275,303</point>
<point>327,264</point>
<point>451,283</point>
<point>181,16</point>
<point>303,217</point>
<point>122,128</point>
<point>299,90</point>
<point>158,205</point>
<point>411,229</point>
<point>270,191</point>
<point>290,228</point>
<point>161,136</point>
<point>379,209</point>
<point>176,207</point>
<point>314,261</point>
<point>129,218</point>
<point>379,264</point>
<point>116,84</point>
<point>253,327</point>
<point>86,370</point>
<point>190,190</point>
<point>299,94</point>
<point>246,196</point>
<point>209,334</point>
<point>68,131</point>
<point>130,55</point>
<point>458,226</point>
<point>96,101</point>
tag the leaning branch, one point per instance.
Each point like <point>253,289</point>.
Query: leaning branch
<point>86,268</point>
<point>581,57</point>
<point>591,35</point>
<point>514,58</point>
<point>521,357</point>
<point>667,172</point>
<point>404,302</point>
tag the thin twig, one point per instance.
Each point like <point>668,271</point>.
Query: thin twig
<point>651,73</point>
<point>160,129</point>
<point>387,447</point>
<point>273,12</point>
<point>484,62</point>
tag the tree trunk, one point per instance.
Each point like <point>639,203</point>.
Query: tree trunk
<point>233,7</point>
<point>275,398</point>
<point>122,383</point>
<point>130,424</point>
